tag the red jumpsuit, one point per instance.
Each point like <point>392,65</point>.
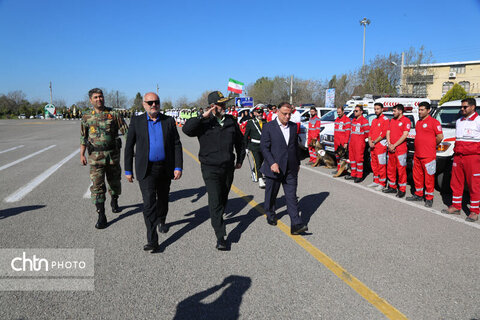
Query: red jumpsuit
<point>313,134</point>
<point>466,162</point>
<point>397,161</point>
<point>342,134</point>
<point>424,161</point>
<point>271,116</point>
<point>378,155</point>
<point>356,148</point>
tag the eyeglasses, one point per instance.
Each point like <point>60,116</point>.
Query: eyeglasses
<point>358,111</point>
<point>465,107</point>
<point>151,102</point>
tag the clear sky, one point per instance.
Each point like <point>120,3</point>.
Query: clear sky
<point>187,47</point>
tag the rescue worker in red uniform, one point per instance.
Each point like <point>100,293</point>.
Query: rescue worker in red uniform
<point>272,114</point>
<point>397,147</point>
<point>377,140</point>
<point>428,135</point>
<point>466,161</point>
<point>356,148</point>
<point>233,112</point>
<point>313,134</point>
<point>342,129</point>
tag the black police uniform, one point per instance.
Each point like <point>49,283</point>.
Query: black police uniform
<point>217,141</point>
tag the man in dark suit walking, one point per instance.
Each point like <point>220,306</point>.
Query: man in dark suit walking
<point>158,160</point>
<point>279,144</point>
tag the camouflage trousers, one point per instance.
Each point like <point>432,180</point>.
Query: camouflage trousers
<point>97,176</point>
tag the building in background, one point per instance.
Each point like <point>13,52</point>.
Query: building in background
<point>434,80</point>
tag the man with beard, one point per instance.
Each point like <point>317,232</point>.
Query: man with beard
<point>158,160</point>
<point>218,134</point>
<point>397,147</point>
<point>466,161</point>
<point>378,147</point>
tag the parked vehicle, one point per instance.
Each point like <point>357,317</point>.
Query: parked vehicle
<point>22,116</point>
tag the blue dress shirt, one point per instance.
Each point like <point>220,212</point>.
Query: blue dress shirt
<point>157,148</point>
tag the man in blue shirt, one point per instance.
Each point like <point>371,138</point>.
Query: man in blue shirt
<point>158,160</point>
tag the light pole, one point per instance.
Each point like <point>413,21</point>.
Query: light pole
<point>400,86</point>
<point>365,22</point>
<point>291,89</point>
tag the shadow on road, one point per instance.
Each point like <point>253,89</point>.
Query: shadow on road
<point>187,193</point>
<point>244,221</point>
<point>227,306</point>
<point>198,217</point>
<point>137,208</point>
<point>307,206</point>
<point>14,211</point>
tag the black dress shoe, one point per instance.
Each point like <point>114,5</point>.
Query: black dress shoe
<point>222,244</point>
<point>357,180</point>
<point>163,228</point>
<point>400,194</point>
<point>114,204</point>
<point>414,198</point>
<point>389,190</point>
<point>150,247</point>
<point>298,229</point>
<point>272,221</point>
<point>349,177</point>
<point>428,203</point>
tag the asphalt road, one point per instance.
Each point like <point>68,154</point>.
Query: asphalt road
<point>366,256</point>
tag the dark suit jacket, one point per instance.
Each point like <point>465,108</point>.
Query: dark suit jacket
<point>275,150</point>
<point>138,134</point>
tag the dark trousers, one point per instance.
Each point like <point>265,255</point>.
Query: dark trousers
<point>218,182</point>
<point>155,188</point>
<point>272,186</point>
<point>258,161</point>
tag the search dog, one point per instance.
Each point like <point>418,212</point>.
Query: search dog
<point>322,156</point>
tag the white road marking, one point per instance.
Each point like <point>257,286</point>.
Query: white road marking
<point>412,204</point>
<point>23,191</point>
<point>88,193</point>
<point>25,158</point>
<point>11,149</point>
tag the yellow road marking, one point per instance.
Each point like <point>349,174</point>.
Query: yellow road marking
<point>365,292</point>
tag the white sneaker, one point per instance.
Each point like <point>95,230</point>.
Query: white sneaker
<point>379,187</point>
<point>373,184</point>
<point>261,183</point>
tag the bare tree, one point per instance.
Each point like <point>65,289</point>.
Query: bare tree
<point>182,103</point>
<point>17,95</point>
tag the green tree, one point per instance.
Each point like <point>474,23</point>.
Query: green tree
<point>137,102</point>
<point>456,93</point>
<point>167,104</point>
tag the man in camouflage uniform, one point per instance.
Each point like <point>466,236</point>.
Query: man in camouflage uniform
<point>99,135</point>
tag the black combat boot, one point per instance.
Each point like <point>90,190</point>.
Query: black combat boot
<point>114,204</point>
<point>102,219</point>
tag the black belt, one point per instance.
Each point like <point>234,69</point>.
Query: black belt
<point>103,148</point>
<point>157,163</point>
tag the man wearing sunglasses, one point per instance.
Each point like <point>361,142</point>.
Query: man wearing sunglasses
<point>218,134</point>
<point>158,160</point>
<point>466,161</point>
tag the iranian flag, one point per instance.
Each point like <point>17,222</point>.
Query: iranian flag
<point>235,86</point>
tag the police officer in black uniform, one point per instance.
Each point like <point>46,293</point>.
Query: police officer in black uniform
<point>218,134</point>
